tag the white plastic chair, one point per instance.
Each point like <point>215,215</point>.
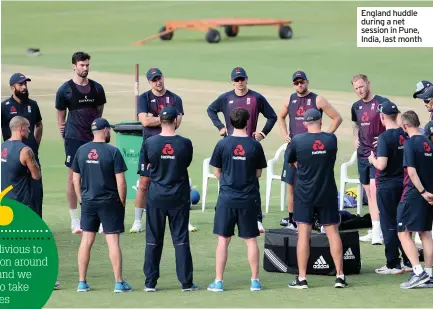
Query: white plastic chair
<point>271,176</point>
<point>206,175</point>
<point>344,179</point>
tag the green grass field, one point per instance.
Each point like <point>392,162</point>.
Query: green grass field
<point>324,45</point>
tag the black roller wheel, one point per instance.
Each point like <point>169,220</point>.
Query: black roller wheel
<point>285,32</point>
<point>231,31</point>
<point>165,37</point>
<point>213,36</point>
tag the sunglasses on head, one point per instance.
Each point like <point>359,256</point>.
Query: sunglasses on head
<point>299,82</point>
<point>239,79</point>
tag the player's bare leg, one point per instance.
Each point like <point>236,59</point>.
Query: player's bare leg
<point>191,227</point>
<point>290,194</point>
<point>303,254</point>
<point>86,244</point>
<point>336,248</point>
<point>140,204</point>
<point>115,255</point>
<point>220,264</point>
<point>377,236</point>
<point>253,260</point>
<point>72,203</point>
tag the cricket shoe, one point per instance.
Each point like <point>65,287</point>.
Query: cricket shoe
<point>415,280</point>
<point>255,285</point>
<point>136,227</point>
<point>260,227</point>
<point>340,283</point>
<point>428,284</point>
<point>57,285</point>
<point>192,228</point>
<point>101,229</point>
<point>384,270</point>
<point>216,286</point>
<point>83,287</point>
<point>300,285</point>
<point>122,287</point>
<point>76,226</point>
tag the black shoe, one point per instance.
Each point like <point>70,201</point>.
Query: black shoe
<point>298,284</point>
<point>340,283</point>
<point>285,221</point>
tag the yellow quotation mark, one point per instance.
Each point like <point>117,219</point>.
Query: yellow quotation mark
<point>6,213</point>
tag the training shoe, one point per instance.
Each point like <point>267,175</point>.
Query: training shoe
<point>428,284</point>
<point>216,286</point>
<point>191,289</point>
<point>192,228</point>
<point>146,289</point>
<point>384,270</point>
<point>255,285</point>
<point>122,287</point>
<point>260,227</point>
<point>298,284</point>
<point>406,267</point>
<point>136,227</point>
<point>340,283</point>
<point>101,229</point>
<point>76,226</point>
<point>366,238</point>
<point>291,226</point>
<point>415,280</point>
<point>83,287</point>
<point>57,285</point>
<point>285,221</point>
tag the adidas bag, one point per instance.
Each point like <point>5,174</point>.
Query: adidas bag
<point>280,253</point>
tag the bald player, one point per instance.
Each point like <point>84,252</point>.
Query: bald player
<point>295,107</point>
<point>424,91</point>
<point>254,103</point>
<point>367,126</point>
<point>84,101</point>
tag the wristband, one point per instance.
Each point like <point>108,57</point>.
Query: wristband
<point>422,192</point>
<point>263,134</point>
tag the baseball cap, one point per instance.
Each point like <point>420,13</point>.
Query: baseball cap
<point>239,72</point>
<point>152,73</point>
<point>299,74</point>
<point>428,129</point>
<point>388,108</point>
<point>18,78</point>
<point>312,115</point>
<point>169,112</point>
<point>100,124</point>
<point>421,87</point>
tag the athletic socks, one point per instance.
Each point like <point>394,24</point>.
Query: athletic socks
<point>429,271</point>
<point>291,219</point>
<point>138,213</point>
<point>341,277</point>
<point>417,269</point>
<point>73,214</point>
<point>302,278</point>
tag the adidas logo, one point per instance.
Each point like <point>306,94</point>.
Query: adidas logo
<point>320,263</point>
<point>349,255</point>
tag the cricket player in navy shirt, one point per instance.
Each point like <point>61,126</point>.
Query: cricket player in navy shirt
<point>366,129</point>
<point>424,92</point>
<point>19,104</point>
<point>238,160</point>
<point>295,107</point>
<point>84,100</point>
<point>390,176</point>
<point>100,185</point>
<point>167,157</point>
<point>254,103</point>
<point>315,153</point>
<point>415,212</point>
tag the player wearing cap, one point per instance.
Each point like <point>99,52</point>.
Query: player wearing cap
<point>84,100</point>
<point>253,102</point>
<point>100,186</point>
<point>415,211</point>
<point>238,160</point>
<point>315,193</point>
<point>168,157</point>
<point>367,126</point>
<point>19,104</point>
<point>424,91</point>
<point>149,105</point>
<point>389,165</point>
<point>295,107</point>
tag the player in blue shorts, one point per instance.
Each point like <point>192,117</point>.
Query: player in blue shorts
<point>254,103</point>
<point>389,165</point>
<point>366,129</point>
<point>314,153</point>
<point>415,212</point>
<point>83,100</point>
<point>168,157</point>
<point>99,182</point>
<point>295,107</point>
<point>424,91</point>
<point>238,160</point>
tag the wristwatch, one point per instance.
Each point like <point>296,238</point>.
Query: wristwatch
<point>422,192</point>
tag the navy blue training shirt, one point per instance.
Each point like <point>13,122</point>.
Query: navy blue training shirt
<point>296,110</point>
<point>252,101</point>
<point>238,158</point>
<point>15,173</point>
<point>418,153</point>
<point>169,158</point>
<point>152,104</point>
<point>28,109</point>
<point>98,163</point>
<point>316,154</point>
<point>82,103</point>
<point>390,145</point>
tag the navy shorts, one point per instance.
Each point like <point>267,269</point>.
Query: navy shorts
<point>226,218</point>
<point>289,172</point>
<point>414,214</point>
<point>142,170</point>
<point>327,214</point>
<point>71,147</point>
<point>110,213</point>
<point>366,171</point>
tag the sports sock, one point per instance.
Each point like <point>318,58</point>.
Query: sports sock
<point>290,217</point>
<point>138,213</point>
<point>417,269</point>
<point>302,278</point>
<point>341,277</point>
<point>73,214</point>
<point>429,271</point>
